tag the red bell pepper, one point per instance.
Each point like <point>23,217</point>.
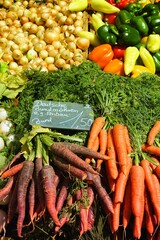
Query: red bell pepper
<point>120,3</point>
<point>110,18</point>
<point>119,51</point>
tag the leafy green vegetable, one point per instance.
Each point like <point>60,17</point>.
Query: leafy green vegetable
<point>134,102</point>
<point>11,85</point>
<point>3,67</point>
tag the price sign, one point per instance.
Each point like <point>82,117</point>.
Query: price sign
<point>64,115</point>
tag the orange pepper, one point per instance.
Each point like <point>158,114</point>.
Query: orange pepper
<point>101,55</point>
<point>115,66</point>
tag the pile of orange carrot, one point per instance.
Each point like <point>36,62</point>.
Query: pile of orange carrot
<point>134,180</point>
<point>61,181</point>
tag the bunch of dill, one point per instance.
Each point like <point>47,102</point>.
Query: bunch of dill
<point>134,102</point>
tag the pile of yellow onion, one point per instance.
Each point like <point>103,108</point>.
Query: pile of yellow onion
<point>40,35</point>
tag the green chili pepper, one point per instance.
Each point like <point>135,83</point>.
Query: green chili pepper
<point>128,36</point>
<point>107,34</point>
<point>134,8</point>
<point>150,10</point>
<point>140,24</point>
<point>123,17</point>
<point>156,58</point>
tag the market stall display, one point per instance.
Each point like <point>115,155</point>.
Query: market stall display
<point>95,178</point>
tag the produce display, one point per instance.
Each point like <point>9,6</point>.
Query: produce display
<point>76,183</point>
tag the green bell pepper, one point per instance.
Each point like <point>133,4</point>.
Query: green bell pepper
<point>128,36</point>
<point>123,17</point>
<point>156,58</point>
<point>107,33</point>
<point>154,21</point>
<point>140,24</point>
<point>134,8</point>
<point>150,10</point>
<point>156,29</point>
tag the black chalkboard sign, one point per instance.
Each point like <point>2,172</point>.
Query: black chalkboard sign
<point>62,115</point>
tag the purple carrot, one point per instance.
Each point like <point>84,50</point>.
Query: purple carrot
<point>62,196</point>
<point>24,180</point>
<point>70,169</point>
<point>62,151</point>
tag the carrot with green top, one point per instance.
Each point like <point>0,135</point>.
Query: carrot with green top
<point>120,146</point>
<point>111,165</point>
<point>95,148</point>
<point>151,149</point>
<point>102,146</point>
<point>151,187</point>
<point>128,140</point>
<point>96,127</point>
<point>148,214</point>
<point>153,133</point>
<point>137,179</point>
<point>126,210</point>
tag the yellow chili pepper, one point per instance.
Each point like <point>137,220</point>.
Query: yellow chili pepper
<point>130,57</point>
<point>96,21</point>
<point>147,59</point>
<point>78,5</point>
<point>138,69</point>
<point>92,37</point>
<point>103,6</point>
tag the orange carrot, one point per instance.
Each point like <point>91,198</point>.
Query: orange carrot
<point>137,178</point>
<point>153,132</point>
<point>128,140</point>
<point>120,146</point>
<point>148,214</point>
<point>157,187</point>
<point>121,183</point>
<point>13,160</point>
<point>116,217</point>
<point>95,148</point>
<point>102,146</point>
<point>157,171</point>
<point>12,171</point>
<point>24,180</point>
<point>48,175</point>
<point>155,150</point>
<point>151,187</point>
<point>126,211</point>
<point>111,165</point>
<point>96,127</point>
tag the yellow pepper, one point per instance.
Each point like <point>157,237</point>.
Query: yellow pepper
<point>147,59</point>
<point>138,69</point>
<point>92,37</point>
<point>103,6</point>
<point>78,5</point>
<point>96,21</point>
<point>153,43</point>
<point>130,57</point>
